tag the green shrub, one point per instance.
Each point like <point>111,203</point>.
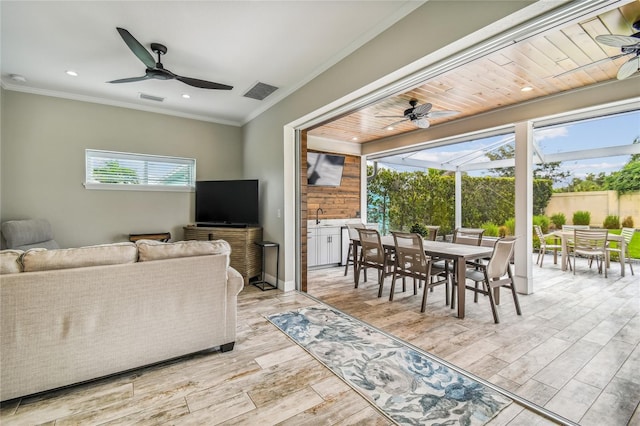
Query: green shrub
<point>510,224</point>
<point>581,218</point>
<point>502,231</point>
<point>542,221</point>
<point>611,222</point>
<point>627,222</point>
<point>558,219</point>
<point>419,228</point>
<point>490,229</point>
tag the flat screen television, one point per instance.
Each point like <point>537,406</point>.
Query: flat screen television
<point>227,203</point>
<point>324,169</point>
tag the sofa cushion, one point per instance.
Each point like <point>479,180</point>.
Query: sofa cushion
<point>105,254</point>
<point>156,250</point>
<point>9,261</point>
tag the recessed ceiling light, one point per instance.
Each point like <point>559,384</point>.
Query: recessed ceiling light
<point>18,78</point>
<point>355,138</point>
<point>389,128</point>
<point>526,89</point>
<point>72,73</point>
<point>186,95</point>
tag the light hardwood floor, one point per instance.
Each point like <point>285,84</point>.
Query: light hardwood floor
<point>574,351</point>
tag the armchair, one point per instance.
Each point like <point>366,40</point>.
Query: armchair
<point>28,233</point>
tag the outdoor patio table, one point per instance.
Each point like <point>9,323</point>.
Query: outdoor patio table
<point>458,253</point>
<point>565,235</point>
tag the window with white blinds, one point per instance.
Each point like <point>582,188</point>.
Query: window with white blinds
<point>127,171</point>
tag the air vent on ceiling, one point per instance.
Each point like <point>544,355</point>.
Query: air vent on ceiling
<point>151,97</point>
<point>260,91</point>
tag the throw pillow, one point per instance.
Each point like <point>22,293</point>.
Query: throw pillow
<point>156,250</point>
<point>9,261</point>
<point>104,254</point>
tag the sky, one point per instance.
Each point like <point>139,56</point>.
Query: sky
<point>602,132</point>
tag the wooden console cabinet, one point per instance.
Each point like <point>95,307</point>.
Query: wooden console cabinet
<point>246,256</point>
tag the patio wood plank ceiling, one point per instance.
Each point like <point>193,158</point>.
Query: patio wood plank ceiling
<point>495,80</point>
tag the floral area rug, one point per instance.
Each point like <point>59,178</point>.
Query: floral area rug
<point>406,385</point>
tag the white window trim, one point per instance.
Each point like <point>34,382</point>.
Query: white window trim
<point>95,153</point>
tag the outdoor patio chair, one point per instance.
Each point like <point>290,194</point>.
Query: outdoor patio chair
<point>493,275</point>
<point>433,232</point>
<point>352,252</point>
<point>572,227</point>
<point>592,244</point>
<point>412,262</point>
<point>544,246</point>
<point>627,235</point>
<point>373,255</point>
<point>469,236</point>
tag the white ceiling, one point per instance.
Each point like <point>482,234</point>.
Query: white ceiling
<point>239,43</point>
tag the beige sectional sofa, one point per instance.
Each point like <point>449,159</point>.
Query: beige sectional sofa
<point>73,315</point>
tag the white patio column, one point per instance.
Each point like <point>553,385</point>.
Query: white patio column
<point>363,189</point>
<point>458,198</point>
<point>524,207</point>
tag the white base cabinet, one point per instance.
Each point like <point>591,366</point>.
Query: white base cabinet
<point>324,246</point>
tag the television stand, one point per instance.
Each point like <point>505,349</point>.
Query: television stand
<point>246,256</point>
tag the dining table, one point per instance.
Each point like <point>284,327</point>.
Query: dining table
<point>565,236</point>
<point>459,254</point>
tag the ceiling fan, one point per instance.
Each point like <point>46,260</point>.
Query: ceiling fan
<point>155,70</point>
<point>629,45</point>
<point>419,114</point>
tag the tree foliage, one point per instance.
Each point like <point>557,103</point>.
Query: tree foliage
<point>113,172</point>
<point>551,170</point>
<point>626,180</point>
<point>592,182</point>
<point>399,200</point>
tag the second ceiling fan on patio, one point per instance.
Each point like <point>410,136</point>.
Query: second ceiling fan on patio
<point>418,114</point>
<point>628,45</point>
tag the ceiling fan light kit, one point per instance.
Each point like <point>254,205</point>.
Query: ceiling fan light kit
<point>155,69</point>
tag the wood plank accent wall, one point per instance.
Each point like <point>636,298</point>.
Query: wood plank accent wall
<point>341,202</point>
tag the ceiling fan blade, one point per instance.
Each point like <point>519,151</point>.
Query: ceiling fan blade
<point>440,114</point>
<point>611,58</point>
<point>203,84</point>
<point>394,123</point>
<point>389,116</point>
<point>422,109</point>
<point>130,80</point>
<point>422,123</point>
<point>137,49</point>
<point>617,40</point>
<point>629,68</point>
